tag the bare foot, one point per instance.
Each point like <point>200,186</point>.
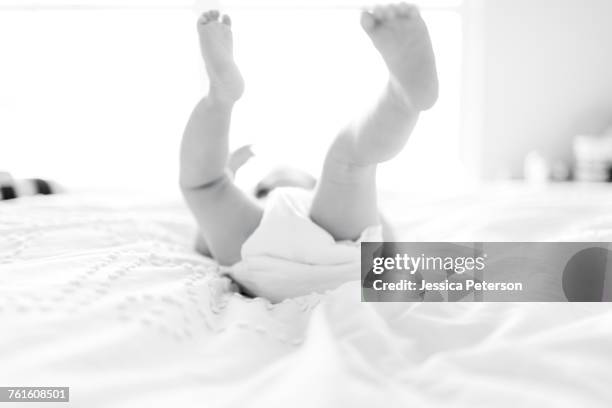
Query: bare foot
<point>217,44</point>
<point>400,35</point>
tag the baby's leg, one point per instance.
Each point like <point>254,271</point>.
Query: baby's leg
<point>345,200</point>
<point>226,216</point>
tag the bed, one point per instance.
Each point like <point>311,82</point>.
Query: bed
<point>104,294</point>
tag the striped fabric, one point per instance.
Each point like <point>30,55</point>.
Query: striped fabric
<point>14,188</point>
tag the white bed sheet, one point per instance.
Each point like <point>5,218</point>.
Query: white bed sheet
<point>105,295</point>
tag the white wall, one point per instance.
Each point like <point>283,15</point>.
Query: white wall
<point>547,76</point>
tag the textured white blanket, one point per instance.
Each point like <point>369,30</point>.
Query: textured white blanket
<point>106,296</point>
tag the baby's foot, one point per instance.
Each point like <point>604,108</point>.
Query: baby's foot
<point>400,35</point>
<point>216,42</point>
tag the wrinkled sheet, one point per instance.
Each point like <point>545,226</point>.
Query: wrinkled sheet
<point>105,295</point>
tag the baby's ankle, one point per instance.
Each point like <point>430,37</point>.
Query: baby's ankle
<point>398,96</point>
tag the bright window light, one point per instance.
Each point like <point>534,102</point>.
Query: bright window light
<point>99,97</point>
<point>309,72</point>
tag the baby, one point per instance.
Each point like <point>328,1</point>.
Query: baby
<point>299,242</point>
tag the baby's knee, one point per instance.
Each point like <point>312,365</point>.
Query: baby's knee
<point>213,185</point>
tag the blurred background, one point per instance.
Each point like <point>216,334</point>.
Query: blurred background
<point>95,93</point>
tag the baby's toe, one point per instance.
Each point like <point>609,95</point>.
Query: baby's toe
<point>407,10</point>
<point>389,12</point>
<point>214,15</point>
<point>203,19</point>
<point>209,17</point>
<point>226,20</point>
<point>379,13</point>
<point>368,21</point>
<point>394,10</point>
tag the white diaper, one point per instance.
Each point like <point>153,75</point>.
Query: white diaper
<point>288,255</point>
